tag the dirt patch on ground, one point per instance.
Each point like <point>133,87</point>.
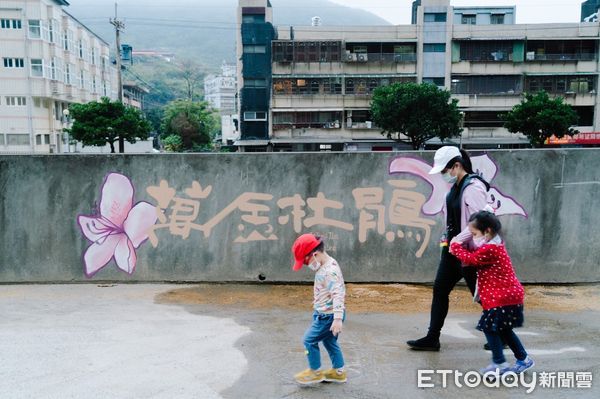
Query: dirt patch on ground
<point>380,298</point>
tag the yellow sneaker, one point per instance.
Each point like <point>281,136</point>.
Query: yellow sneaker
<point>309,377</point>
<point>332,375</point>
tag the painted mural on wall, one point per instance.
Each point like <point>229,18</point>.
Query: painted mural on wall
<point>395,211</point>
<point>483,165</point>
<point>117,227</point>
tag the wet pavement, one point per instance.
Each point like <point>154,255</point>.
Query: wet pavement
<point>120,341</point>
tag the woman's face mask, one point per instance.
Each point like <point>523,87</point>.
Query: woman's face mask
<point>448,178</point>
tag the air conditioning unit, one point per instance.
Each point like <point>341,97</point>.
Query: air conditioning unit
<point>530,55</point>
<point>351,57</point>
<point>363,58</point>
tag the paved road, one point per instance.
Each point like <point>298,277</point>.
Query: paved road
<point>88,341</point>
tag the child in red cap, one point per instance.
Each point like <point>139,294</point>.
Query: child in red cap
<point>329,310</point>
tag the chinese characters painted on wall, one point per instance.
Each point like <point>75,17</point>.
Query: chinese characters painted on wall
<point>395,210</point>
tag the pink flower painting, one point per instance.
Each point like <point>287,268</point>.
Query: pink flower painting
<point>483,165</point>
<point>118,228</point>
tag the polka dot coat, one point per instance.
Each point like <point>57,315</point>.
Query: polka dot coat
<point>496,280</point>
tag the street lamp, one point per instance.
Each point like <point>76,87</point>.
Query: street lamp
<point>66,122</point>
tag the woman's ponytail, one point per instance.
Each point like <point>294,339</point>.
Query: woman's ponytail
<point>466,161</point>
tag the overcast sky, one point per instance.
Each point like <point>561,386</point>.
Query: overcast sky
<point>528,11</point>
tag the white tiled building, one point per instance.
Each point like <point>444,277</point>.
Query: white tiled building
<point>49,60</point>
<point>220,92</point>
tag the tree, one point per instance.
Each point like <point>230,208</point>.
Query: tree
<point>414,113</point>
<point>99,122</point>
<point>191,74</point>
<point>193,122</point>
<point>172,143</point>
<point>539,117</point>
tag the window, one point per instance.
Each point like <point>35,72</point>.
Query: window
<point>332,86</point>
<point>253,19</point>
<point>81,79</point>
<point>93,58</point>
<point>561,84</point>
<point>37,68</point>
<point>35,29</point>
<point>42,139</point>
<point>435,81</point>
<point>349,86</point>
<point>14,62</point>
<point>65,40</point>
<point>252,49</point>
<point>53,31</point>
<point>2,142</point>
<point>435,17</point>
<point>255,116</point>
<point>14,101</point>
<point>94,89</point>
<point>318,120</point>
<point>10,23</point>
<point>488,119</point>
<point>497,19</point>
<point>256,83</point>
<point>68,74</point>
<point>479,50</point>
<point>561,50</point>
<point>496,84</point>
<point>56,69</point>
<point>469,19</point>
<point>434,48</point>
<point>17,139</point>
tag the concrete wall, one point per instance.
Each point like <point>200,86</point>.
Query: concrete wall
<point>380,226</point>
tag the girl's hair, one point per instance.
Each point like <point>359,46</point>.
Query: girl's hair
<point>484,220</point>
<point>464,160</point>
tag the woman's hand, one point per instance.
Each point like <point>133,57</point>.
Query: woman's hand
<point>336,327</point>
<point>454,240</point>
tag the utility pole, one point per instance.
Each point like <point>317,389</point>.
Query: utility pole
<point>119,26</point>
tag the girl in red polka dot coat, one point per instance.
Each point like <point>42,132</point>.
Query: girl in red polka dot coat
<point>500,292</point>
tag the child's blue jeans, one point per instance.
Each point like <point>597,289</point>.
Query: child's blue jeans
<point>496,342</point>
<point>319,332</point>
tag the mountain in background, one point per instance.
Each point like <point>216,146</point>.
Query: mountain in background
<point>203,30</point>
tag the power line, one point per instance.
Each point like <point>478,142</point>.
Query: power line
<point>168,22</point>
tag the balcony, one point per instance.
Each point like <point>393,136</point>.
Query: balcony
<point>307,125</point>
<point>533,56</point>
<point>380,57</point>
<point>319,101</point>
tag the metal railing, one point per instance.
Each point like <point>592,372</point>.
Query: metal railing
<point>561,57</point>
<point>380,57</point>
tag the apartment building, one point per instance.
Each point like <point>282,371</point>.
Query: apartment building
<point>134,94</point>
<point>307,88</point>
<point>220,90</point>
<point>49,60</point>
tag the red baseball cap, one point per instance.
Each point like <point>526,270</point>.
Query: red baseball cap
<point>302,247</point>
